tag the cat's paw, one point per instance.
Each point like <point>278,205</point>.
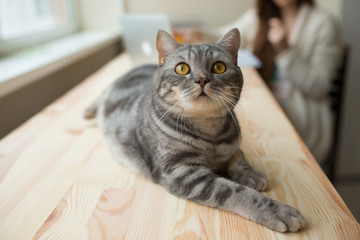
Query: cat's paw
<point>286,219</point>
<point>254,179</point>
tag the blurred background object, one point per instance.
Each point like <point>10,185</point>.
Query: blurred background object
<point>187,28</point>
<point>48,46</point>
<point>139,32</point>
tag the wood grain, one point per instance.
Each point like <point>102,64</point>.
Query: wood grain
<point>58,180</point>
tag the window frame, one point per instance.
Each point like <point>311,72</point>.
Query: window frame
<point>10,46</point>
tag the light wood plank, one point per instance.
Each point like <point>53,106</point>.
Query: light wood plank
<point>43,195</point>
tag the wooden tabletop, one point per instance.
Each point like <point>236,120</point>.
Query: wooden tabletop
<point>58,181</point>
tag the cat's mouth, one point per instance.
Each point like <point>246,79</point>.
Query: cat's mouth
<point>203,94</point>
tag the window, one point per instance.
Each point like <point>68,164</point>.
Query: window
<point>27,22</point>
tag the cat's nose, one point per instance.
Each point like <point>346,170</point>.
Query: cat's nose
<point>202,81</point>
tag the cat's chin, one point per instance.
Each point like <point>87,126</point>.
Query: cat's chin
<point>203,106</point>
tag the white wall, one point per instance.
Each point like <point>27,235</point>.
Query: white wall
<point>213,12</point>
<point>99,14</point>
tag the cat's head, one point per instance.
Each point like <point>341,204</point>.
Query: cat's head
<point>199,80</point>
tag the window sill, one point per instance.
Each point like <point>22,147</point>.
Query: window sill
<point>28,66</point>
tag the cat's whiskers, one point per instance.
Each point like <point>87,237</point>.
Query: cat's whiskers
<point>180,114</point>
<point>236,123</point>
<point>233,87</point>
<point>186,92</point>
<point>177,119</point>
<point>167,112</point>
<point>233,103</point>
<point>232,95</point>
<point>164,115</point>
<point>183,120</point>
<point>222,109</point>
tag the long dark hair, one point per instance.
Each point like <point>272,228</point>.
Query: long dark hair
<point>263,49</point>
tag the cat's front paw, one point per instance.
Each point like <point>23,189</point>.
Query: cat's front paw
<point>286,219</point>
<point>254,179</point>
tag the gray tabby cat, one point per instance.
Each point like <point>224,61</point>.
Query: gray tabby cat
<point>176,123</point>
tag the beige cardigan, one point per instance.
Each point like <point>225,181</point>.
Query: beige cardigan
<point>309,65</point>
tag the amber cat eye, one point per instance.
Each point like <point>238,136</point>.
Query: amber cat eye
<point>182,69</point>
<point>218,68</point>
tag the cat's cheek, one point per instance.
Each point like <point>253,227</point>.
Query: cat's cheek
<point>176,90</point>
<point>173,95</point>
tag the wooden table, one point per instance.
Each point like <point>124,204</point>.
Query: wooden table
<point>58,180</point>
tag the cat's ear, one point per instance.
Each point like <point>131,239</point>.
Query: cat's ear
<point>231,42</point>
<point>165,45</point>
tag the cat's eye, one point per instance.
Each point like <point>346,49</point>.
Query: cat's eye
<point>218,68</point>
<point>182,69</point>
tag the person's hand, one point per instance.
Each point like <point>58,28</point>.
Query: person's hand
<point>277,35</point>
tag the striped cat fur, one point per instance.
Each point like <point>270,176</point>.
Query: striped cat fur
<point>176,123</point>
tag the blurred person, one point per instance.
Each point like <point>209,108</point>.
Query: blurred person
<point>300,48</point>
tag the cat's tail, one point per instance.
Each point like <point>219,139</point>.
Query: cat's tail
<point>91,111</point>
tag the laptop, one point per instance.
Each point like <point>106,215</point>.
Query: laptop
<point>139,34</point>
